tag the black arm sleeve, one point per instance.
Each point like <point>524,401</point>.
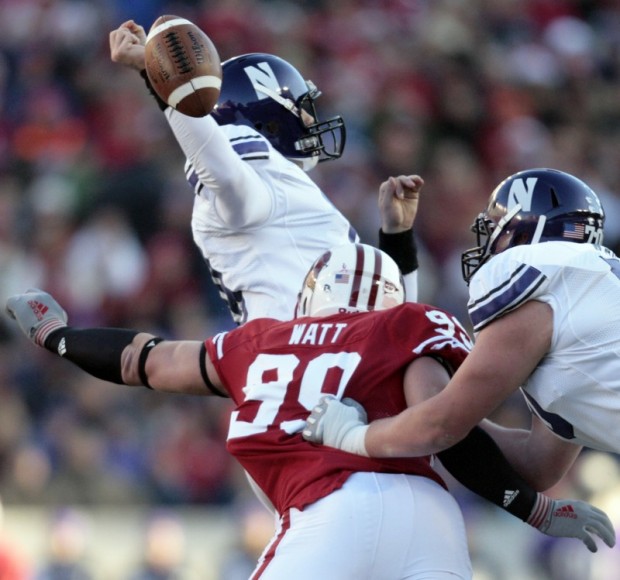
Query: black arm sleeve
<point>478,463</point>
<point>401,248</point>
<point>95,350</point>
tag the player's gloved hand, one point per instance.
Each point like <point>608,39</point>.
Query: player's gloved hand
<point>339,424</point>
<point>571,518</point>
<point>37,314</point>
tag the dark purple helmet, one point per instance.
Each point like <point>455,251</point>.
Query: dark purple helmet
<point>268,94</point>
<point>532,206</point>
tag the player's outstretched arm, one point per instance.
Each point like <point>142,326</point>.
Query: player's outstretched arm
<point>116,355</point>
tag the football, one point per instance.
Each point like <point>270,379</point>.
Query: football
<point>183,66</point>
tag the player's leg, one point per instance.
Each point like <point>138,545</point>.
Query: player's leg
<point>379,527</point>
<point>438,547</point>
<point>324,541</point>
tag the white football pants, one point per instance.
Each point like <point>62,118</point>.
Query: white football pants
<point>378,526</point>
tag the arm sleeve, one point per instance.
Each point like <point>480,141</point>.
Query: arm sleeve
<point>95,350</point>
<point>478,463</point>
<point>239,195</point>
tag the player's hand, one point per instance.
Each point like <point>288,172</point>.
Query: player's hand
<point>339,424</point>
<point>573,518</point>
<point>398,202</point>
<point>37,314</point>
<point>127,45</point>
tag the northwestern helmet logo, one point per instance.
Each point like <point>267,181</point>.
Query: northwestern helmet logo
<point>262,75</point>
<point>521,192</point>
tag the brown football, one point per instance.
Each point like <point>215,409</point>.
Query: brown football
<point>183,65</point>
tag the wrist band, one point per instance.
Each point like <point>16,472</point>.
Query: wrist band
<point>144,353</point>
<point>401,248</point>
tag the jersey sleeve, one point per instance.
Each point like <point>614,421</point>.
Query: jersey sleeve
<point>440,335</point>
<point>218,169</point>
<point>230,351</point>
<point>504,283</point>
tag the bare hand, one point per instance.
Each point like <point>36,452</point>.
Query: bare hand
<point>398,202</point>
<point>127,45</point>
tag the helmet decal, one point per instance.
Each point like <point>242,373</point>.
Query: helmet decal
<point>521,192</point>
<point>357,301</point>
<point>262,74</point>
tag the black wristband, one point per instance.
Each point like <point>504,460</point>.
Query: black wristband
<point>160,102</point>
<point>401,248</point>
<point>478,464</point>
<point>144,353</point>
<point>95,350</point>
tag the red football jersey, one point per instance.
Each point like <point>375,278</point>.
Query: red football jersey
<point>276,372</point>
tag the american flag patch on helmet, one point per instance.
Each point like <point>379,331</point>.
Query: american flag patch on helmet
<point>574,231</point>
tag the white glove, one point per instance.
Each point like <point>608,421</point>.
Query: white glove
<point>37,314</point>
<point>572,518</point>
<point>339,424</point>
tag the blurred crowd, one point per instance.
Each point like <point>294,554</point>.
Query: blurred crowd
<point>94,207</point>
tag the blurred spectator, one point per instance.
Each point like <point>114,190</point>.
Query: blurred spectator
<point>68,537</point>
<point>164,550</point>
<point>255,529</point>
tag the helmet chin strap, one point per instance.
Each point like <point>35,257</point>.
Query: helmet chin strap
<point>286,103</point>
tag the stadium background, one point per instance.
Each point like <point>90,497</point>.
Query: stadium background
<point>95,479</point>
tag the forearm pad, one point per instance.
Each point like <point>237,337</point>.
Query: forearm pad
<point>401,248</point>
<point>478,463</point>
<point>95,350</point>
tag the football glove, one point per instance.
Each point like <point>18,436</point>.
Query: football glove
<point>37,314</point>
<point>572,518</point>
<point>339,424</point>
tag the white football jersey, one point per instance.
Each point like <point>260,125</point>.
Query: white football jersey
<point>575,389</point>
<point>258,219</point>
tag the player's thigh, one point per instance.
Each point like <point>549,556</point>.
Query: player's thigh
<point>324,541</point>
<point>377,527</point>
<point>437,548</point>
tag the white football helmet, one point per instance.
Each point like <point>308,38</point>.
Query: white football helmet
<point>351,278</point>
